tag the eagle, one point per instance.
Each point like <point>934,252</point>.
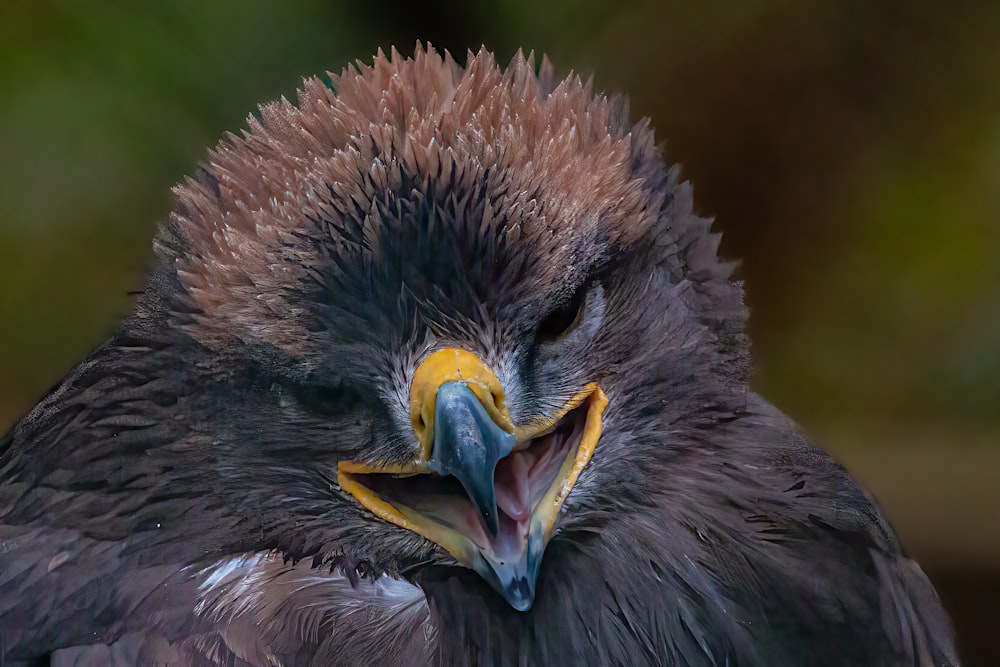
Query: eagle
<point>437,366</point>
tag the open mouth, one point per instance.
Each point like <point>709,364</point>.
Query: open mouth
<point>485,489</point>
<point>531,476</point>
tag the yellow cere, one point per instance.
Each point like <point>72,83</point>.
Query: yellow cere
<point>450,365</point>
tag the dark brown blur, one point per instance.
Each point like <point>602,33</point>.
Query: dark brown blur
<point>849,150</point>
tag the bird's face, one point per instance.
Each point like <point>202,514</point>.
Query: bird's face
<point>439,328</point>
<point>484,488</point>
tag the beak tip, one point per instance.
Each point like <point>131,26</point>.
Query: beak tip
<point>515,580</point>
<point>520,594</point>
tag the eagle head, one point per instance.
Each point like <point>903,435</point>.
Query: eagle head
<point>437,366</point>
<point>447,315</point>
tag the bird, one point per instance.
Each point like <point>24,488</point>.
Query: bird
<point>437,365</point>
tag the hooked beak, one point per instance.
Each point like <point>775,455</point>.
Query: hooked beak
<point>486,490</point>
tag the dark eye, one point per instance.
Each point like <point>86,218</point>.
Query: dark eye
<point>563,319</point>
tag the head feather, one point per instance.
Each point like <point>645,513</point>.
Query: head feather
<point>554,161</point>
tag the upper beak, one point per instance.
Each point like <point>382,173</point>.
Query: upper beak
<point>513,480</point>
<point>468,445</point>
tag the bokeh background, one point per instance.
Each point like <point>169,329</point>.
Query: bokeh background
<point>849,150</point>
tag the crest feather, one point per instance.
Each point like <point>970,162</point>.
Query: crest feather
<point>559,160</point>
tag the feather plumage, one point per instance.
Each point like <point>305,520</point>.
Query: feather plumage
<point>174,499</point>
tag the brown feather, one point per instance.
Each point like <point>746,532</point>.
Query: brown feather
<point>555,160</point>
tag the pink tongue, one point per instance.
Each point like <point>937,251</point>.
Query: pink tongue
<point>512,485</point>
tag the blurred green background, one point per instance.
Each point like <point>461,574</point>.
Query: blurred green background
<point>849,150</point>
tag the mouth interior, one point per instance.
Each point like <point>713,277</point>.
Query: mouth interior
<point>521,480</point>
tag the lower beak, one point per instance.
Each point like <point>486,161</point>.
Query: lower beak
<point>487,491</point>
